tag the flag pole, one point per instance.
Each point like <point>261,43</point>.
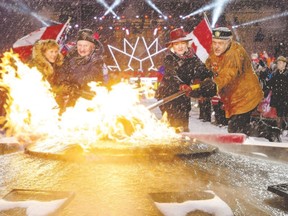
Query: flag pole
<point>65,28</point>
<point>206,18</point>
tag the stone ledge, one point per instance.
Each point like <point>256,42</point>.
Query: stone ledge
<point>9,145</point>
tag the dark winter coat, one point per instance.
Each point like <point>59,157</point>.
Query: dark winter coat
<point>178,70</point>
<point>278,84</point>
<point>264,76</point>
<point>237,83</point>
<point>79,71</point>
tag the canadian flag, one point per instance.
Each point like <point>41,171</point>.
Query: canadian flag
<point>24,45</point>
<point>202,40</point>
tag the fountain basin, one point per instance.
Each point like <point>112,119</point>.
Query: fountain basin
<point>108,151</point>
<point>110,187</point>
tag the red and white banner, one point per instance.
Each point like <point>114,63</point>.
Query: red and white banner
<point>202,40</point>
<point>24,45</point>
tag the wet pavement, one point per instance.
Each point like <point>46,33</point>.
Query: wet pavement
<point>128,187</point>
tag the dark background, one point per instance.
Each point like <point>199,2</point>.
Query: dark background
<point>17,21</point>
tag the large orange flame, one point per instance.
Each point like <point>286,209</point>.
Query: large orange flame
<point>116,115</point>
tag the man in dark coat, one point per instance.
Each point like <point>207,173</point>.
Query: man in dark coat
<point>180,64</point>
<point>83,64</point>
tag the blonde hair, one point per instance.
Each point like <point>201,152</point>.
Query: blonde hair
<point>40,61</point>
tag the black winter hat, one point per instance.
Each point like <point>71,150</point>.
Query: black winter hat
<point>223,33</point>
<point>87,35</point>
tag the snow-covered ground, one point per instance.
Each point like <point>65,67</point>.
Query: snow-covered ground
<point>198,126</point>
<point>214,135</point>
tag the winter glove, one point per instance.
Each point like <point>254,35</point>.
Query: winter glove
<point>88,95</point>
<point>68,88</point>
<point>185,88</point>
<point>208,88</point>
<point>190,91</point>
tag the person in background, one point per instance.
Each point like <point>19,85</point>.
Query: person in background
<point>267,59</point>
<point>46,57</point>
<point>180,65</point>
<point>219,113</point>
<point>237,84</point>
<point>255,60</point>
<point>205,111</point>
<point>204,103</point>
<point>264,74</point>
<point>278,84</point>
<point>82,64</point>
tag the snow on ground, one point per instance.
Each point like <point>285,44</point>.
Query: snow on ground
<point>198,126</point>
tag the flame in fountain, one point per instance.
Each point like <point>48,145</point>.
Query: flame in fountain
<point>30,103</point>
<point>116,115</point>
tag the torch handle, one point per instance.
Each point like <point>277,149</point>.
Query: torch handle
<point>171,97</point>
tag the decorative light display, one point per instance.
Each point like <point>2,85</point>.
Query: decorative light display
<point>129,50</point>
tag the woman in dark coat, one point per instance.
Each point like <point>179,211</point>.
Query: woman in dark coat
<point>180,64</point>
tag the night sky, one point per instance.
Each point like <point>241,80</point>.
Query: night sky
<point>17,18</point>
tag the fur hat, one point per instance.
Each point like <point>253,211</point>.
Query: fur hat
<point>178,35</point>
<point>87,35</point>
<point>281,58</point>
<point>223,33</point>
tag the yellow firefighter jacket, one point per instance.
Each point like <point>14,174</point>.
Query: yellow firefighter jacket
<point>237,83</point>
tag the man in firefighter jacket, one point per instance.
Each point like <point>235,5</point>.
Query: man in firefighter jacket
<point>237,84</point>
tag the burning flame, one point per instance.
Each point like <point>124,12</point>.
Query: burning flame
<point>116,115</point>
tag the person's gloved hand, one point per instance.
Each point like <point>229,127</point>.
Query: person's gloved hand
<point>74,87</point>
<point>191,91</point>
<point>186,88</point>
<point>208,88</point>
<point>67,88</point>
<point>88,95</point>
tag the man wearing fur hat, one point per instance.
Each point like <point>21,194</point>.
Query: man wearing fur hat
<point>82,65</point>
<point>180,64</point>
<point>237,84</point>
